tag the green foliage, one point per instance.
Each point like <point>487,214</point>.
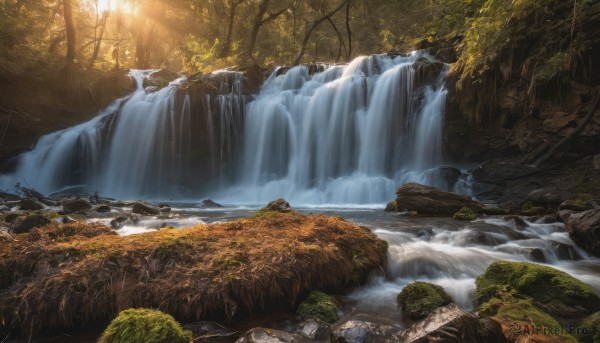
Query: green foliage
<point>418,299</point>
<point>144,325</point>
<point>592,325</point>
<point>320,306</point>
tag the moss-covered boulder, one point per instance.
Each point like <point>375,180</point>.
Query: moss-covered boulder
<point>554,291</point>
<point>418,299</point>
<point>589,329</point>
<point>465,213</point>
<point>144,325</point>
<point>318,305</point>
<point>472,212</point>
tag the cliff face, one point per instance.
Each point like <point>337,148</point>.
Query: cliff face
<point>525,77</point>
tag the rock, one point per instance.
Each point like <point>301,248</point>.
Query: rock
<point>546,197</point>
<point>261,335</point>
<point>536,254</point>
<point>465,213</point>
<point>359,331</point>
<point>144,325</point>
<point>591,325</point>
<point>564,215</point>
<point>584,229</point>
<point>207,203</point>
<point>144,209</point>
<point>25,223</point>
<point>29,204</point>
<point>164,208</point>
<point>75,205</point>
<point>391,207</point>
<point>545,288</point>
<point>315,329</point>
<point>49,202</point>
<point>159,79</point>
<point>318,305</point>
<point>565,251</point>
<point>121,221</point>
<point>419,298</point>
<point>444,324</point>
<point>429,200</point>
<point>577,204</point>
<point>103,209</point>
<point>209,332</point>
<point>74,218</point>
<point>597,162</point>
<point>279,205</point>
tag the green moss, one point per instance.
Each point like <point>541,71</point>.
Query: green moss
<point>418,299</point>
<point>318,305</point>
<point>589,329</point>
<point>579,203</point>
<point>543,284</point>
<point>530,209</point>
<point>465,213</point>
<point>144,325</point>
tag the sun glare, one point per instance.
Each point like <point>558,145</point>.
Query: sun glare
<point>113,5</point>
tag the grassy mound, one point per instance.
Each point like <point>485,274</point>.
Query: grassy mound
<point>418,299</point>
<point>144,325</point>
<point>60,280</point>
<point>318,305</point>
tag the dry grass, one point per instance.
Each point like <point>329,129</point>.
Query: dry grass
<point>62,277</point>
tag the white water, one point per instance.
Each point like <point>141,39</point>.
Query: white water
<point>348,135</point>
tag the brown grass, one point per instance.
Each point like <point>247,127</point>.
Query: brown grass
<point>67,276</point>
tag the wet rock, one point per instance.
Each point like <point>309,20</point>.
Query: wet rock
<point>391,207</point>
<point>318,305</point>
<point>577,204</point>
<point>25,223</point>
<point>546,197</point>
<point>565,251</point>
<point>49,202</point>
<point>261,335</point>
<point>359,331</point>
<point>279,205</point>
<point>315,329</point>
<point>418,299</point>
<point>4,208</point>
<point>444,324</point>
<point>164,208</point>
<point>144,209</point>
<point>430,200</point>
<point>159,79</point>
<point>103,209</point>
<point>121,221</point>
<point>209,332</point>
<point>74,218</point>
<point>535,254</point>
<point>4,196</point>
<point>207,203</point>
<point>584,229</point>
<point>75,205</point>
<point>29,204</point>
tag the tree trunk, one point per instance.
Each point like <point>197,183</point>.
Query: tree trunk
<point>70,30</point>
<point>314,25</point>
<point>256,24</point>
<point>99,38</point>
<point>349,31</point>
<point>233,4</point>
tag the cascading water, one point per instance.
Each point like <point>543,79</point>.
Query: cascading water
<point>343,134</point>
<point>146,145</point>
<point>347,135</point>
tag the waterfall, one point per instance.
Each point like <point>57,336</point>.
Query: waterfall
<point>348,135</point>
<point>146,145</point>
<point>316,134</point>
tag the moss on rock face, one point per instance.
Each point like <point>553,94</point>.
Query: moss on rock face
<point>551,289</point>
<point>465,213</point>
<point>320,306</point>
<point>418,299</point>
<point>144,325</point>
<point>589,330</point>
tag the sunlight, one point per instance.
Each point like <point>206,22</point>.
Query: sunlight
<point>113,5</point>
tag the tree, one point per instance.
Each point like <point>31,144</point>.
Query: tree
<point>70,30</point>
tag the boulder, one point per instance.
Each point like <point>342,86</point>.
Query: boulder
<point>103,209</point>
<point>584,229</point>
<point>577,204</point>
<point>315,329</point>
<point>159,79</point>
<point>318,305</point>
<point>279,205</point>
<point>75,205</point>
<point>30,204</point>
<point>121,221</point>
<point>359,331</point>
<point>144,209</point>
<point>418,299</point>
<point>589,330</point>
<point>430,200</point>
<point>25,223</point>
<point>444,324</point>
<point>5,236</point>
<point>261,335</point>
<point>207,203</point>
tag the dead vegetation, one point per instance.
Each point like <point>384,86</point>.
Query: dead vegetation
<point>59,277</point>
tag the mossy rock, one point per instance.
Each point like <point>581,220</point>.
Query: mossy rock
<point>144,325</point>
<point>466,213</point>
<point>556,292</point>
<point>318,305</point>
<point>391,207</point>
<point>418,299</point>
<point>577,204</point>
<point>531,209</point>
<point>589,329</point>
<point>493,211</point>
